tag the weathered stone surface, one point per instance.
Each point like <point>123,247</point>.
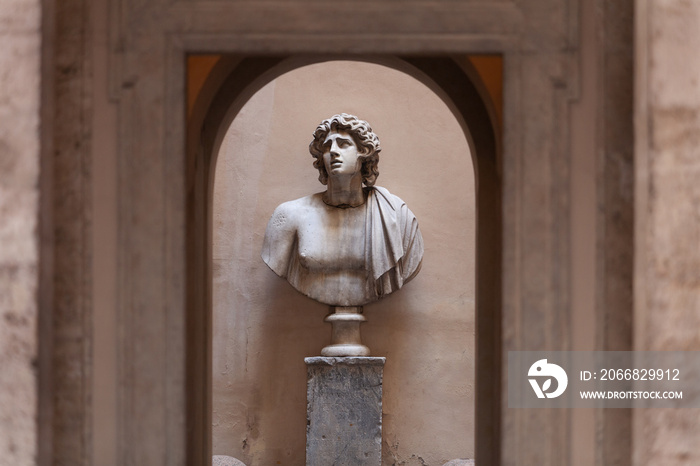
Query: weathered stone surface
<point>615,217</point>
<point>667,218</point>
<point>19,228</point>
<point>72,255</point>
<point>460,462</point>
<point>223,460</point>
<point>344,412</point>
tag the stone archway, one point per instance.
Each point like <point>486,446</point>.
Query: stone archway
<point>121,65</point>
<point>230,85</point>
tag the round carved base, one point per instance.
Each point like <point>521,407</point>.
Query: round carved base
<point>344,350</point>
<point>345,332</point>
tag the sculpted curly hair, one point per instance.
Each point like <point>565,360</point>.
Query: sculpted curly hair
<point>361,132</point>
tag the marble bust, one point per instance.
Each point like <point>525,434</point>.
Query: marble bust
<point>353,243</point>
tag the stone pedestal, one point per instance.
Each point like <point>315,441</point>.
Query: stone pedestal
<point>344,411</point>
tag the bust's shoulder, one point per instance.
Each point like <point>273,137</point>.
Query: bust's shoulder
<point>288,213</point>
<point>311,201</point>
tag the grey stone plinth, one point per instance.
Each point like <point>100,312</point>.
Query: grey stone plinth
<point>344,411</point>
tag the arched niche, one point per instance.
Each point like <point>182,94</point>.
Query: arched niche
<point>231,83</point>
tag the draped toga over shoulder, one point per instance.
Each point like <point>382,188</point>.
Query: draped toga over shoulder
<point>393,248</point>
<point>393,242</point>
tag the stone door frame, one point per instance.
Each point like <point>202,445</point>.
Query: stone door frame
<point>162,306</point>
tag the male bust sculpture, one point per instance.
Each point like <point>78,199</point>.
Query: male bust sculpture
<point>352,244</point>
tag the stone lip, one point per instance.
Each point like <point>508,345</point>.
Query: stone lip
<point>347,360</point>
<point>223,460</point>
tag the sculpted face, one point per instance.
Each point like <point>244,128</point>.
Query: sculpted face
<point>340,155</point>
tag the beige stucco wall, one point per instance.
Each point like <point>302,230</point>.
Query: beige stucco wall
<point>263,328</point>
